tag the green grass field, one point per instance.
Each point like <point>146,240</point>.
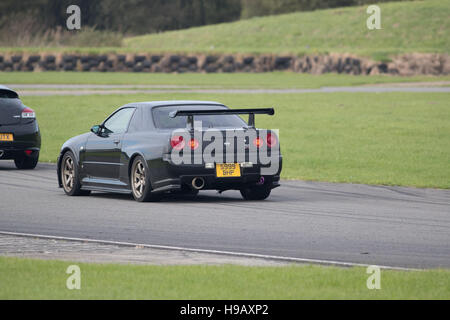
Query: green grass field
<point>43,279</point>
<point>420,26</point>
<point>222,80</point>
<point>389,138</point>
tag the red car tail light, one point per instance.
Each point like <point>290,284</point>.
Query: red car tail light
<point>177,142</point>
<point>28,113</point>
<point>271,140</point>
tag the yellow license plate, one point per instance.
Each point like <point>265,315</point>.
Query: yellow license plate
<point>6,137</point>
<point>228,170</point>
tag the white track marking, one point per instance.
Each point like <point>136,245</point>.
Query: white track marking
<point>218,252</point>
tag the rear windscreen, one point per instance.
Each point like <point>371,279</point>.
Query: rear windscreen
<point>163,121</point>
<point>8,94</point>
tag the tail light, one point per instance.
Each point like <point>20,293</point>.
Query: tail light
<point>258,142</point>
<point>271,140</point>
<point>193,143</point>
<point>177,142</point>
<point>28,113</point>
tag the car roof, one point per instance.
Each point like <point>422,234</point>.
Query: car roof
<point>153,104</point>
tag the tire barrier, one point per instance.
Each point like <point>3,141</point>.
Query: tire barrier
<point>407,64</point>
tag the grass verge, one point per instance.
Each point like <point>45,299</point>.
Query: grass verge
<point>373,138</point>
<point>44,279</point>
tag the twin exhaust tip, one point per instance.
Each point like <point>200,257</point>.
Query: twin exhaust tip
<point>198,183</point>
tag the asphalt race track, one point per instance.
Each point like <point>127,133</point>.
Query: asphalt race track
<point>390,226</point>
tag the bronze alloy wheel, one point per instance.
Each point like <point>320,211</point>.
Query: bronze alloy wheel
<point>140,182</point>
<point>68,174</point>
<point>138,179</point>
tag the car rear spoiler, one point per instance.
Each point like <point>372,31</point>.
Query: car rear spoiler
<point>251,113</point>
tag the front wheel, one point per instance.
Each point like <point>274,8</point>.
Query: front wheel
<point>69,176</point>
<point>140,182</point>
<point>256,192</point>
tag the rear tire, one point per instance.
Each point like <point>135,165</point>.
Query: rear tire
<point>256,192</point>
<point>26,163</point>
<point>69,176</point>
<point>141,186</point>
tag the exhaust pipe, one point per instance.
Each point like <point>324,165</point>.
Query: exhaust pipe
<point>198,183</point>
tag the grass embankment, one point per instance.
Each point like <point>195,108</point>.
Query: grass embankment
<point>420,26</point>
<point>385,138</point>
<point>39,279</point>
<point>215,80</point>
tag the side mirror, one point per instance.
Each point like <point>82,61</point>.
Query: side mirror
<point>96,129</point>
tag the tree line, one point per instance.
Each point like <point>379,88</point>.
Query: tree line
<point>252,8</point>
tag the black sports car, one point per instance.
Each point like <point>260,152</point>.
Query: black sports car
<point>152,148</point>
<point>20,138</point>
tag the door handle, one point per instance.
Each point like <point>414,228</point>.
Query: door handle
<point>116,141</point>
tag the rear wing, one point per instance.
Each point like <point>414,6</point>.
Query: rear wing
<point>251,113</point>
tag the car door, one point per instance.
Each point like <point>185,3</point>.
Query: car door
<point>103,150</point>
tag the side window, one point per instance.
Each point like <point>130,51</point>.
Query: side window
<point>135,124</point>
<point>118,123</point>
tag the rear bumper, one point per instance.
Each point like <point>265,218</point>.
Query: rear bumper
<point>26,137</point>
<point>12,152</point>
<point>181,176</point>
